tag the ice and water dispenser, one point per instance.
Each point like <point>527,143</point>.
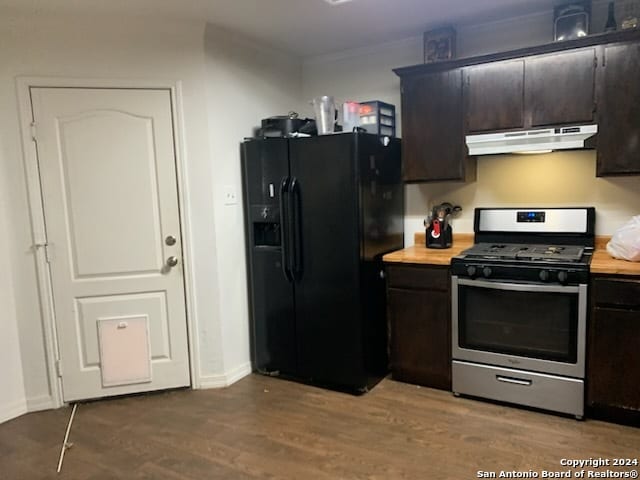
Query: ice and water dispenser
<point>266,226</point>
<point>265,165</point>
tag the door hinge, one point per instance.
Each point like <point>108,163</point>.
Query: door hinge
<point>33,132</point>
<point>59,368</point>
<point>47,252</point>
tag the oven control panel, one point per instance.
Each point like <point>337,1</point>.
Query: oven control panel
<point>521,273</point>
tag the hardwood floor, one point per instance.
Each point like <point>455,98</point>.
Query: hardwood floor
<point>269,428</point>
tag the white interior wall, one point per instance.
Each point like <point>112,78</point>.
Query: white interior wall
<point>228,84</point>
<point>13,400</point>
<point>365,74</point>
<point>105,48</point>
<point>245,83</point>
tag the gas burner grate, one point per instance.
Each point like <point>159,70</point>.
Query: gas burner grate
<point>554,253</point>
<point>519,252</point>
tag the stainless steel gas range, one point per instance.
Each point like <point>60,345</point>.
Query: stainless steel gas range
<point>519,307</point>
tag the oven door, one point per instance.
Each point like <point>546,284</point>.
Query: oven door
<point>535,327</point>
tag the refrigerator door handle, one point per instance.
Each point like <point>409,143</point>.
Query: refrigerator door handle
<point>284,229</point>
<point>296,229</point>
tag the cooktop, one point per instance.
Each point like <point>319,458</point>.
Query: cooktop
<point>525,252</point>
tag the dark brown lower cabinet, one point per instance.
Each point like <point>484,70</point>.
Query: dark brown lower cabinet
<point>419,313</point>
<point>613,346</point>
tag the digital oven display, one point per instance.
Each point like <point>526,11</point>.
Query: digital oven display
<point>531,217</point>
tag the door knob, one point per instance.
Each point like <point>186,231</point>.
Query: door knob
<point>172,261</point>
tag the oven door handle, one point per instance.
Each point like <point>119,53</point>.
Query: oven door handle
<point>519,287</point>
<point>516,381</point>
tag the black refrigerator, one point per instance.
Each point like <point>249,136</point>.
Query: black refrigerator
<point>320,214</point>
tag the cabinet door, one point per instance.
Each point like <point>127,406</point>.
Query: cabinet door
<point>559,88</point>
<point>494,96</point>
<point>613,373</point>
<point>420,333</point>
<point>619,111</point>
<point>433,145</point>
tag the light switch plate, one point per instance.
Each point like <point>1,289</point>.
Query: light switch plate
<point>230,196</point>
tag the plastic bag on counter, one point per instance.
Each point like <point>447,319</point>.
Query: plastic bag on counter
<point>625,243</point>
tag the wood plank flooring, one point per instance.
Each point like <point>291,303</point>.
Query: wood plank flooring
<point>269,428</point>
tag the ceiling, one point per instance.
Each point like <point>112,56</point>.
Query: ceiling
<point>301,27</point>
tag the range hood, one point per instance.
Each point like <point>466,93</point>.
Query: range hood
<point>531,141</point>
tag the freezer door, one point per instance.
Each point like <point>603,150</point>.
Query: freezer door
<point>327,258</point>
<point>272,316</point>
<point>265,163</point>
<point>265,168</point>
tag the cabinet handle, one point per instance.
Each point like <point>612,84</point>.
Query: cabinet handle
<point>515,381</point>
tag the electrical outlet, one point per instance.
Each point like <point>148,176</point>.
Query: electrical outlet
<point>230,197</point>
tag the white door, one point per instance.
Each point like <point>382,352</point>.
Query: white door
<point>108,174</point>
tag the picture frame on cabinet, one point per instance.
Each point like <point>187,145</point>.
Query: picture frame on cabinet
<point>439,44</point>
<point>571,20</point>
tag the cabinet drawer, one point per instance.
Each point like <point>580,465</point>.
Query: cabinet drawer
<point>621,292</point>
<point>538,390</point>
<point>427,278</point>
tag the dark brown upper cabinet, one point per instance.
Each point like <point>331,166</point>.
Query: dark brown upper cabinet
<point>593,79</point>
<point>494,96</point>
<point>433,145</point>
<point>619,111</point>
<point>559,88</point>
<point>538,91</point>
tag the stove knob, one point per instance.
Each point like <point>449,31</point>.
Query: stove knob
<point>544,275</point>
<point>486,272</point>
<point>471,271</point>
<point>563,277</point>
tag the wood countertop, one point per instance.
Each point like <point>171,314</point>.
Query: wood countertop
<point>602,262</point>
<point>420,254</point>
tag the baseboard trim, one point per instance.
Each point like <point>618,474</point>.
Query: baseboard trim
<point>238,373</point>
<point>225,379</point>
<point>9,411</point>
<point>43,402</point>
